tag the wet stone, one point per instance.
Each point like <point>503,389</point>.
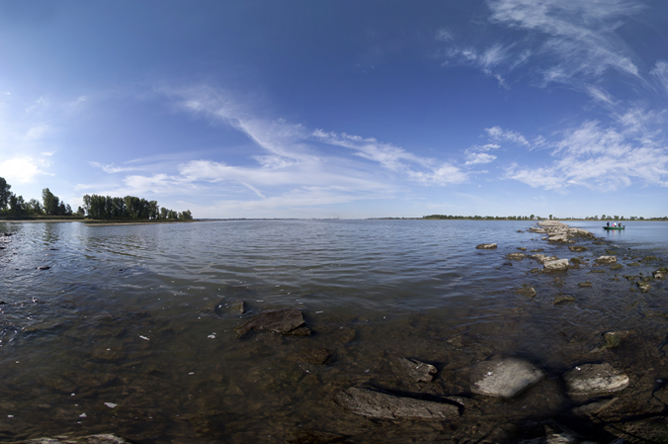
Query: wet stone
<point>415,370</point>
<point>563,299</point>
<point>486,246</point>
<point>504,378</point>
<point>516,256</point>
<point>585,284</point>
<point>527,290</point>
<point>376,404</point>
<point>282,320</point>
<point>238,307</point>
<point>577,248</point>
<point>556,265</point>
<point>592,379</point>
<point>594,408</point>
<point>644,286</point>
<point>606,259</point>
<point>614,339</point>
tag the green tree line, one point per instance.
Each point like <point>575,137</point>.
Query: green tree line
<point>95,207</point>
<point>12,205</point>
<point>129,207</point>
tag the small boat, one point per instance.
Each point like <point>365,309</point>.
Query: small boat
<point>614,228</point>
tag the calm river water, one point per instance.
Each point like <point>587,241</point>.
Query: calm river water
<point>130,329</point>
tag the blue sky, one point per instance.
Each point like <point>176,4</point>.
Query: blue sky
<point>346,108</point>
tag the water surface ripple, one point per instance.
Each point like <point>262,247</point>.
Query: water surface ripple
<point>140,317</point>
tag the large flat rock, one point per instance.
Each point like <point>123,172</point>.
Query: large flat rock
<point>504,378</point>
<point>593,379</point>
<point>375,404</point>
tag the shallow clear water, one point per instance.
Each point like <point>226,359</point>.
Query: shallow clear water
<point>130,329</point>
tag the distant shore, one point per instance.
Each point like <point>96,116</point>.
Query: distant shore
<point>95,222</point>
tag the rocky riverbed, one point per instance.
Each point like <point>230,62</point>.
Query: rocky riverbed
<point>292,374</point>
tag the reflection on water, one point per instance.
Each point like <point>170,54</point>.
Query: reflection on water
<point>130,329</point>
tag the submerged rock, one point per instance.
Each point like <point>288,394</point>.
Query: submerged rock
<point>376,404</point>
<point>563,299</point>
<point>281,320</point>
<point>311,356</point>
<point>614,338</point>
<point>516,256</point>
<point>592,379</point>
<point>577,248</point>
<point>486,246</point>
<point>504,378</point>
<point>527,290</point>
<point>415,370</point>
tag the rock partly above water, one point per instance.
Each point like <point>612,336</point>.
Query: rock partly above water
<point>376,404</point>
<point>504,378</point>
<point>606,260</point>
<point>486,246</point>
<point>593,379</point>
<point>556,265</point>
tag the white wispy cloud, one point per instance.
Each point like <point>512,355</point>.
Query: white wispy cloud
<point>660,73</point>
<point>498,134</point>
<point>577,37</point>
<point>112,168</point>
<point>420,169</point>
<point>479,158</point>
<point>599,158</point>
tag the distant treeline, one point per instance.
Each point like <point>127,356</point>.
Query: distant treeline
<point>129,207</point>
<point>603,217</point>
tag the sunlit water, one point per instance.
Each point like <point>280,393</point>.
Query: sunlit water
<point>121,333</point>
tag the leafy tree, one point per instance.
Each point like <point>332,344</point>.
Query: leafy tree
<point>4,193</point>
<point>51,202</point>
<point>17,206</point>
<point>34,207</point>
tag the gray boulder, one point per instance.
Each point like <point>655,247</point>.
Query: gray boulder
<point>556,265</point>
<point>375,404</point>
<point>593,379</point>
<point>504,378</point>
